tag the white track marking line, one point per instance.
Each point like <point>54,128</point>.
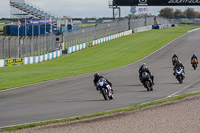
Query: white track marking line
<point>174,94</point>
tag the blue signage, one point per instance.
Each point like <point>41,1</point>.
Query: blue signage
<point>133,9</point>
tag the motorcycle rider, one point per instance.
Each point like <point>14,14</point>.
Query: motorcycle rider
<point>144,68</point>
<point>194,57</point>
<point>174,57</point>
<point>96,79</point>
<point>177,65</point>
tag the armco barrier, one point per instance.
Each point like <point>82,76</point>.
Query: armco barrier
<point>34,59</point>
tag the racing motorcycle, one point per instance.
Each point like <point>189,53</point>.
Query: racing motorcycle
<point>180,75</point>
<point>194,63</point>
<point>105,89</point>
<point>147,82</point>
<point>174,60</point>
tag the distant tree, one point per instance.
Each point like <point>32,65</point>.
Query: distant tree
<point>190,13</point>
<point>178,14</point>
<point>141,15</point>
<point>92,18</point>
<point>167,12</point>
<point>198,14</point>
<point>106,18</point>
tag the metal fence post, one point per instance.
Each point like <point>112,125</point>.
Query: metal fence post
<point>9,47</point>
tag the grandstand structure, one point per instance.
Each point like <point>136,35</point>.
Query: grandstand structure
<point>22,9</point>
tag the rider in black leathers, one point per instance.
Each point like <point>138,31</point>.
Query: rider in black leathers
<point>174,56</point>
<point>194,57</point>
<point>144,68</point>
<point>96,79</point>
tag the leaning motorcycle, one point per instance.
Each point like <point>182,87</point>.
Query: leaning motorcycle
<point>147,82</point>
<point>180,75</point>
<point>194,63</point>
<point>174,60</point>
<point>105,89</point>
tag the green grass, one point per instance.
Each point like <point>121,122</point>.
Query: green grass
<point>109,55</point>
<point>1,28</point>
<point>85,25</point>
<point>4,21</point>
<point>131,108</point>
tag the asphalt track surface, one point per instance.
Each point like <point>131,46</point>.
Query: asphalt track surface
<point>74,96</point>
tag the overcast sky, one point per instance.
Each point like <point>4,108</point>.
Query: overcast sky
<point>75,8</point>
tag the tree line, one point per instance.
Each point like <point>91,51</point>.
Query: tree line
<point>177,13</point>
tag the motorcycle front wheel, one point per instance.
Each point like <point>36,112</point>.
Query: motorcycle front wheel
<point>104,93</point>
<point>180,79</point>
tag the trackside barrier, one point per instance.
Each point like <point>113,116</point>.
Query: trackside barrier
<point>30,60</point>
<point>108,38</point>
<point>76,48</point>
<point>161,26</point>
<point>128,32</point>
<point>141,29</point>
<point>1,63</point>
<point>105,39</point>
<point>98,41</point>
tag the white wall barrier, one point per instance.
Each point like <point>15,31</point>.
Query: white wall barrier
<point>76,48</point>
<point>141,29</point>
<point>108,38</point>
<point>98,41</point>
<point>128,32</point>
<point>163,26</point>
<point>30,60</point>
<point>1,63</point>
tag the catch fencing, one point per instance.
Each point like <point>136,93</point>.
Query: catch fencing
<point>14,47</point>
<point>192,21</point>
<point>88,34</point>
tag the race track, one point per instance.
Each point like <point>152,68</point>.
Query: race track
<point>74,96</point>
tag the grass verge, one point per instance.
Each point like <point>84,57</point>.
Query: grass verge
<point>131,108</point>
<point>1,28</point>
<point>112,54</point>
<point>86,25</point>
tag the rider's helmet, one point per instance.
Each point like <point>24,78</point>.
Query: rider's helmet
<point>96,75</point>
<point>144,66</point>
